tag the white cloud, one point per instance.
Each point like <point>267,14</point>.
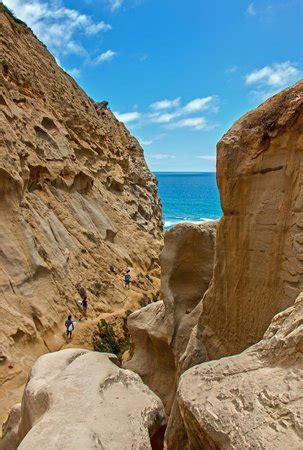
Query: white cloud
<point>207,157</point>
<point>170,114</point>
<point>105,56</point>
<point>162,156</point>
<point>57,26</point>
<point>115,4</point>
<point>75,73</point>
<point>194,106</point>
<point>165,104</point>
<point>145,142</point>
<point>95,28</point>
<point>163,118</point>
<point>196,123</point>
<point>128,117</point>
<point>198,104</point>
<point>276,75</point>
<point>251,9</point>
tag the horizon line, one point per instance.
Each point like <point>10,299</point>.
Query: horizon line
<point>183,171</point>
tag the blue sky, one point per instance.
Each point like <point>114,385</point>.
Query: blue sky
<point>177,73</point>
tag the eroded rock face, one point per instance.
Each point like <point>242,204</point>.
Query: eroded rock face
<point>160,331</point>
<point>252,400</point>
<point>81,399</point>
<point>259,263</point>
<point>78,204</point>
<point>10,428</point>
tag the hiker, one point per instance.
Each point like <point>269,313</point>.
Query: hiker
<point>127,279</point>
<point>84,305</point>
<point>69,324</point>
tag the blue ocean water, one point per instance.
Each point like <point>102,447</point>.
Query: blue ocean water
<point>187,196</point>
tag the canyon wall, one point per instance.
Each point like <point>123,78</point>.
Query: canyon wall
<point>78,205</point>
<point>259,249</point>
<point>252,399</point>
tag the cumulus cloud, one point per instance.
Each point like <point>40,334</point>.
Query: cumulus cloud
<point>196,123</point>
<point>56,25</point>
<point>276,75</point>
<point>198,104</point>
<point>269,80</point>
<point>171,114</point>
<point>163,118</point>
<point>105,56</point>
<point>165,104</point>
<point>128,116</point>
<point>194,106</point>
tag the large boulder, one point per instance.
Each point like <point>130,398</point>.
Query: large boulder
<point>160,331</point>
<point>252,400</point>
<point>81,399</point>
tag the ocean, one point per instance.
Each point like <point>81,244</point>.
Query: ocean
<point>192,197</point>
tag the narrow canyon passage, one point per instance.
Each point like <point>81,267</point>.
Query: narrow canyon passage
<point>193,336</point>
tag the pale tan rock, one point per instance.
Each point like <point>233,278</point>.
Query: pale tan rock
<point>160,331</point>
<point>10,429</point>
<point>252,400</point>
<point>258,265</point>
<point>81,399</point>
<point>152,357</point>
<point>78,205</point>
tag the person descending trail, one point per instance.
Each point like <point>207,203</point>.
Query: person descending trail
<point>84,305</point>
<point>69,324</point>
<point>127,279</point>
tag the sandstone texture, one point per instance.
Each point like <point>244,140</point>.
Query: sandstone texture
<point>251,400</point>
<point>160,331</point>
<point>78,206</point>
<point>10,428</point>
<point>254,399</point>
<point>259,248</point>
<point>77,398</point>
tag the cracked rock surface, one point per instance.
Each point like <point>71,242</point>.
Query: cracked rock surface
<point>251,400</point>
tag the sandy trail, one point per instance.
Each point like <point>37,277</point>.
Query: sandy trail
<point>12,385</point>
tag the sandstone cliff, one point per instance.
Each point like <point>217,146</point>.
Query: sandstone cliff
<point>78,205</point>
<point>80,399</point>
<point>259,251</point>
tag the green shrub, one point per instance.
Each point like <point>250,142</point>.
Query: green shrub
<point>105,340</point>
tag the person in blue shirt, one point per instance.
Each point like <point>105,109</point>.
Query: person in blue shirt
<point>127,279</point>
<point>69,324</point>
